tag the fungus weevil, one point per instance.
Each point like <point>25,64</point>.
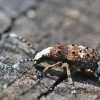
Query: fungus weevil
<point>72,55</point>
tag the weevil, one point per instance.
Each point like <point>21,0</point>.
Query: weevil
<point>81,57</point>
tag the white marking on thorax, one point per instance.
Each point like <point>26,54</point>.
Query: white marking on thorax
<point>43,52</point>
<point>98,70</point>
<point>82,52</point>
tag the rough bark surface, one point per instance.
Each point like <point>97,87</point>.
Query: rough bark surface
<point>44,23</point>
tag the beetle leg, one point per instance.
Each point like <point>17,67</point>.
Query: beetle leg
<point>54,65</point>
<point>70,79</point>
<point>90,71</point>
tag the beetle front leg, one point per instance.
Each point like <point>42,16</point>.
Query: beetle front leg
<point>54,65</point>
<point>70,79</point>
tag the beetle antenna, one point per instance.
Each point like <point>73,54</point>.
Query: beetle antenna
<point>21,61</point>
<point>32,49</point>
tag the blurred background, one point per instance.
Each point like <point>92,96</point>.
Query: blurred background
<point>47,22</point>
<point>44,23</point>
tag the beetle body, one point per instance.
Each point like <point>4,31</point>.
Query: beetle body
<point>74,55</point>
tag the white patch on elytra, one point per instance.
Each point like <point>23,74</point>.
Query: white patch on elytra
<point>81,47</point>
<point>82,52</point>
<point>98,70</point>
<point>43,52</point>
